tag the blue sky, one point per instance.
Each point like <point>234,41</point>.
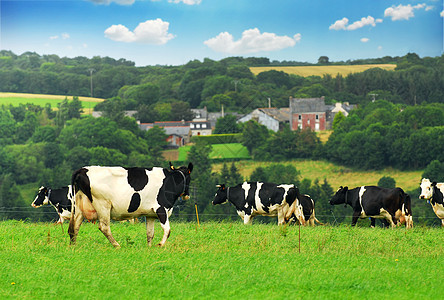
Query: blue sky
<point>173,32</point>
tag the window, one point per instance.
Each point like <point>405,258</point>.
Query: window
<point>197,125</point>
<point>317,117</point>
<point>300,117</point>
<point>191,125</point>
<point>204,125</point>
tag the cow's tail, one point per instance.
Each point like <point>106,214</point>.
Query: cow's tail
<point>80,182</point>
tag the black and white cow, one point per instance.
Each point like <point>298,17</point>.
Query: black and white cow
<point>105,193</point>
<point>303,206</point>
<point>258,198</point>
<point>372,201</point>
<point>60,199</point>
<point>433,192</point>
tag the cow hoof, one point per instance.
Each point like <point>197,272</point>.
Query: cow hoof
<point>160,245</point>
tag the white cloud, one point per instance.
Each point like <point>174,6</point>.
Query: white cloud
<point>365,40</point>
<point>403,12</point>
<point>442,14</point>
<point>65,36</point>
<point>149,32</point>
<point>379,48</point>
<point>54,37</point>
<point>252,41</point>
<point>339,24</point>
<point>188,2</point>
<point>343,23</point>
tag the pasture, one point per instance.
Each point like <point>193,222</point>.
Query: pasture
<point>219,151</point>
<point>336,175</point>
<point>332,70</point>
<point>221,260</point>
<point>15,99</point>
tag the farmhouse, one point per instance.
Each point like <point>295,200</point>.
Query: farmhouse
<point>308,113</point>
<point>272,118</point>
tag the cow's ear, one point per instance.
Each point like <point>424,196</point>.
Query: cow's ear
<point>190,168</point>
<point>434,183</point>
<point>171,166</point>
<point>345,188</point>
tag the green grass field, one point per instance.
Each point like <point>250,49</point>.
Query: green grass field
<point>221,260</point>
<point>336,175</point>
<point>20,98</point>
<point>220,151</point>
<point>333,70</point>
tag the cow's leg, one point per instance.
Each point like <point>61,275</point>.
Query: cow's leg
<point>104,216</point>
<point>149,230</point>
<point>248,219</point>
<point>372,222</point>
<point>281,215</point>
<point>442,222</point>
<point>74,225</point>
<point>355,217</point>
<point>165,224</point>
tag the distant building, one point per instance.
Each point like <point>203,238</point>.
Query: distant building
<point>308,113</point>
<point>272,118</point>
<point>178,132</point>
<point>200,128</point>
<point>344,108</point>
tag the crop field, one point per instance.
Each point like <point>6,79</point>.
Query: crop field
<point>221,260</point>
<point>220,151</point>
<point>333,70</point>
<point>19,98</point>
<point>336,175</point>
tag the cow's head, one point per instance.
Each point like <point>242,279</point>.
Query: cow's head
<point>221,194</point>
<point>340,196</point>
<point>42,197</point>
<point>426,189</point>
<point>185,171</point>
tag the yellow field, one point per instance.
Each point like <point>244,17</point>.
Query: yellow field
<point>42,100</point>
<point>306,71</point>
<point>336,175</point>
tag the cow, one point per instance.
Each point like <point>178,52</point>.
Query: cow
<point>376,202</point>
<point>257,198</point>
<point>60,199</point>
<point>303,206</point>
<point>105,193</point>
<point>433,192</point>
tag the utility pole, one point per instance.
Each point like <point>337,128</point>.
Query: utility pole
<point>91,70</point>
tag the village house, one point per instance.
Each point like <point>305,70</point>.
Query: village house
<point>308,113</point>
<point>272,118</point>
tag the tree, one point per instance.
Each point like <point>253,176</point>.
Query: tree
<point>337,120</point>
<point>235,176</point>
<point>434,171</point>
<point>254,135</point>
<point>202,181</point>
<point>181,111</point>
<point>387,182</point>
<point>323,60</point>
<point>227,124</point>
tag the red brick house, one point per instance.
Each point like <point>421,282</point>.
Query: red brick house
<point>308,113</point>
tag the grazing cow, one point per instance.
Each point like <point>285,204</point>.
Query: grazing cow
<point>60,199</point>
<point>376,202</point>
<point>305,206</point>
<point>257,198</point>
<point>433,192</point>
<point>105,193</point>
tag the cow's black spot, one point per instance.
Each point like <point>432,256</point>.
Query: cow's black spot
<point>161,214</point>
<point>135,203</point>
<point>137,178</point>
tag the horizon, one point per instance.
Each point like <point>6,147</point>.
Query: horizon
<point>174,32</point>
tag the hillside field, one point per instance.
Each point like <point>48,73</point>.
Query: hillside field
<point>336,175</point>
<point>332,70</point>
<point>221,260</point>
<point>15,99</point>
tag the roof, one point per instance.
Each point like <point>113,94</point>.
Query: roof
<point>307,105</point>
<point>280,114</point>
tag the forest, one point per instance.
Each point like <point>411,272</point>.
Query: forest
<point>399,121</point>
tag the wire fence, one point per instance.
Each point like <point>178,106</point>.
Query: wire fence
<point>330,219</point>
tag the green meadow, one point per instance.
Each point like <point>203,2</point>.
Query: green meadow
<point>16,99</point>
<point>220,151</point>
<point>221,260</point>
